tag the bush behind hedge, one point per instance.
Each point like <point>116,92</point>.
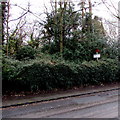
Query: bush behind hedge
<point>26,53</point>
<point>39,76</point>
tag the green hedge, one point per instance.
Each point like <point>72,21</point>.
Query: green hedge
<point>39,76</point>
<point>26,53</point>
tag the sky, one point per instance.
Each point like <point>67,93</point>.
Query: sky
<point>38,7</point>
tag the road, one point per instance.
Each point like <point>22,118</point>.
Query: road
<point>109,110</point>
<point>99,105</point>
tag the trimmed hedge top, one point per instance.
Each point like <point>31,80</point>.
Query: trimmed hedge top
<point>40,76</point>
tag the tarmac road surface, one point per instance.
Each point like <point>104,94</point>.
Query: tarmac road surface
<point>108,110</point>
<point>99,105</point>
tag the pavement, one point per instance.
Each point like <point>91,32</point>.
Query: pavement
<point>58,95</point>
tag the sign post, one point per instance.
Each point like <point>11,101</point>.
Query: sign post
<point>97,55</point>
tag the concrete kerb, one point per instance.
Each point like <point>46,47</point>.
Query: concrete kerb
<point>58,97</point>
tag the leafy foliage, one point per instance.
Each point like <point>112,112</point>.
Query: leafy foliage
<point>25,52</point>
<point>78,36</point>
<point>70,31</point>
<point>79,39</point>
<point>37,76</point>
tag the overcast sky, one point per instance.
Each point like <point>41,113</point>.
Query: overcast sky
<point>38,7</point>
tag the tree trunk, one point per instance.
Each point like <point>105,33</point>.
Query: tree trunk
<point>90,12</point>
<point>2,15</point>
<point>7,27</point>
<point>61,29</point>
<point>83,14</point>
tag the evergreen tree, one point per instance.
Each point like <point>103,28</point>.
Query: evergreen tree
<point>69,29</point>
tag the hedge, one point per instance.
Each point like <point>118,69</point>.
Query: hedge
<point>19,77</point>
<point>26,53</point>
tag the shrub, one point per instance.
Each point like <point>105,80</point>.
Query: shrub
<point>25,53</point>
<point>10,69</point>
<point>43,76</point>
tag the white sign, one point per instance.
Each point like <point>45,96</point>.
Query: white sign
<point>96,56</point>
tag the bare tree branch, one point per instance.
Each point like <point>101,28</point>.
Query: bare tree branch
<point>27,11</point>
<point>108,7</point>
<point>19,17</point>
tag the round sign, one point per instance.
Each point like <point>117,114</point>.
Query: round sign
<point>97,50</point>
